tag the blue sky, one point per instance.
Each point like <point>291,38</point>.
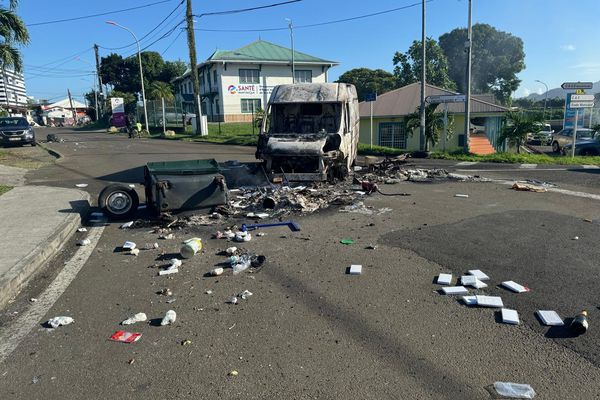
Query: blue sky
<point>560,38</point>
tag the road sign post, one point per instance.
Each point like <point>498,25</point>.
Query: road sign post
<point>577,85</point>
<point>574,139</point>
<point>445,99</point>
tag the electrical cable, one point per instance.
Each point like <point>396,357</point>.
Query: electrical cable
<point>241,10</point>
<point>172,43</point>
<point>319,23</point>
<point>97,15</point>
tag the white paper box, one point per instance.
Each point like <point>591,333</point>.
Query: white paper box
<point>472,280</point>
<point>489,301</point>
<point>550,318</point>
<point>515,287</point>
<point>455,290</point>
<point>479,274</point>
<point>510,316</point>
<point>355,269</point>
<point>168,271</point>
<point>444,279</point>
<point>470,300</point>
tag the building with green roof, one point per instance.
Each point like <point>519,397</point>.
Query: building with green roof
<point>235,83</point>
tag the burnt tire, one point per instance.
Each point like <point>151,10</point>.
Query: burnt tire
<point>118,201</point>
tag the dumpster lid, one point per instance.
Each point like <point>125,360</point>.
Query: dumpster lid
<point>186,167</point>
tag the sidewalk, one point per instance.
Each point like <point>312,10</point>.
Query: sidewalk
<point>36,222</point>
<point>12,176</point>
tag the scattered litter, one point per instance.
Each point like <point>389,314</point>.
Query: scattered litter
<point>514,390</point>
<point>510,316</point>
<point>294,226</point>
<point>191,247</point>
<point>550,318</point>
<point>371,247</point>
<point>242,236</point>
<point>81,185</point>
<point>479,274</point>
<point>515,287</point>
<point>232,300</point>
<point>347,241</point>
<point>245,294</point>
<point>151,246</point>
<point>231,251</point>
<point>444,279</point>
<point>455,290</point>
<point>60,321</point>
<point>464,196</point>
<point>127,225</point>
<point>166,292</point>
<point>81,230</point>
<point>169,318</point>
<point>528,187</point>
<point>360,208</point>
<point>240,264</point>
<point>233,373</point>
<point>171,301</point>
<point>131,361</point>
<point>472,280</point>
<point>576,238</point>
<point>134,252</point>
<point>470,300</point>
<point>216,271</point>
<point>168,271</point>
<point>125,337</point>
<point>139,317</point>
<point>489,301</point>
<point>588,220</point>
<point>129,245</point>
<point>260,234</point>
<point>33,300</point>
<point>175,263</point>
<point>231,327</point>
<point>84,242</point>
<point>208,291</point>
<point>186,342</point>
<point>167,236</point>
<point>580,324</point>
<point>355,269</point>
<point>35,379</point>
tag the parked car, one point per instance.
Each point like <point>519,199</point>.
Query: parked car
<point>565,137</point>
<point>174,118</point>
<point>542,137</point>
<point>584,147</point>
<point>16,130</point>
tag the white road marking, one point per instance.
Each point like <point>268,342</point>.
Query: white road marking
<point>466,163</point>
<point>586,166</point>
<point>556,190</point>
<point>528,166</point>
<point>511,170</point>
<point>12,334</point>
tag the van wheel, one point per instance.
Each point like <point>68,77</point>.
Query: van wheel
<point>118,201</point>
<point>555,147</point>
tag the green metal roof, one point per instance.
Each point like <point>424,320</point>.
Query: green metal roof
<point>264,51</point>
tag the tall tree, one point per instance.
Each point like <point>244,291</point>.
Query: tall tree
<point>369,81</point>
<point>497,58</point>
<point>407,66</point>
<point>434,125</point>
<point>171,70</point>
<point>160,90</point>
<point>517,126</point>
<point>13,33</point>
<point>123,74</point>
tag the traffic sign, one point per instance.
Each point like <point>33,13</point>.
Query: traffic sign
<point>452,98</point>
<point>582,97</point>
<point>577,85</point>
<point>371,97</point>
<point>582,104</point>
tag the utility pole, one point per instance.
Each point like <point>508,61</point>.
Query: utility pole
<point>189,16</point>
<point>468,47</point>
<point>291,27</point>
<point>99,77</point>
<point>71,103</point>
<point>422,140</point>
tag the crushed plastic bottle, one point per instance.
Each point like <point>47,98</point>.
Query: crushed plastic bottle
<point>229,234</point>
<point>139,317</point>
<point>232,300</point>
<point>134,252</point>
<point>242,264</point>
<point>216,271</point>
<point>60,321</point>
<point>245,294</point>
<point>514,390</point>
<point>231,251</point>
<point>175,263</point>
<point>169,318</point>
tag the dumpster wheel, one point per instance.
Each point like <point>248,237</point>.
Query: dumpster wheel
<point>118,201</point>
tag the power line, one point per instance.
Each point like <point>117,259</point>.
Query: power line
<point>172,43</point>
<point>147,34</point>
<point>241,10</point>
<point>167,34</point>
<point>319,23</point>
<point>97,15</point>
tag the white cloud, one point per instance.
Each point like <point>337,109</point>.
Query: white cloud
<point>567,47</point>
<point>526,92</point>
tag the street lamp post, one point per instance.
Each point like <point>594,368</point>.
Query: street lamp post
<point>546,99</point>
<point>291,26</point>
<point>141,70</point>
<point>468,48</point>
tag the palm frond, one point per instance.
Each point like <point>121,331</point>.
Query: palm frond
<point>12,27</point>
<point>10,57</point>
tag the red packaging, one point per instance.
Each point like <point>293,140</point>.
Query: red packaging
<point>125,337</point>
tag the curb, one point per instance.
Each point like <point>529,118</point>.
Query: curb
<point>23,271</point>
<point>49,150</point>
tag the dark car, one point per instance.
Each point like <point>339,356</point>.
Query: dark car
<point>17,131</point>
<point>565,137</point>
<point>584,147</point>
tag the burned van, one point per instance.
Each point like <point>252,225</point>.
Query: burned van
<point>310,131</point>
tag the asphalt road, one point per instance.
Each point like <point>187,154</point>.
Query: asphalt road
<point>310,330</point>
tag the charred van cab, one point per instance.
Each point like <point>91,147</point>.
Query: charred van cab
<point>310,131</point>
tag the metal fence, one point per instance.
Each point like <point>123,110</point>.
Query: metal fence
<point>173,114</point>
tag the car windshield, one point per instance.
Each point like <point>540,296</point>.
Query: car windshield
<point>585,133</point>
<point>8,122</point>
<point>305,118</point>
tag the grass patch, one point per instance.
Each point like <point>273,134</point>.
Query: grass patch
<point>367,150</point>
<point>4,189</point>
<point>25,157</point>
<point>234,133</point>
<point>518,158</point>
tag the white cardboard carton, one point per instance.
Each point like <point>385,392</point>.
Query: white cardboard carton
<point>455,290</point>
<point>479,274</point>
<point>550,318</point>
<point>444,279</point>
<point>489,301</point>
<point>515,287</point>
<point>510,316</point>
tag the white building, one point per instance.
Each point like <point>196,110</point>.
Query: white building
<point>13,95</point>
<point>234,84</point>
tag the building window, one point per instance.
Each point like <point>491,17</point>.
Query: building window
<point>392,134</point>
<point>249,76</point>
<point>215,77</point>
<point>250,105</point>
<point>303,76</point>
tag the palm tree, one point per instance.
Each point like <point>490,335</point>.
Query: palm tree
<point>517,126</point>
<point>161,90</point>
<point>13,33</point>
<point>434,124</point>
